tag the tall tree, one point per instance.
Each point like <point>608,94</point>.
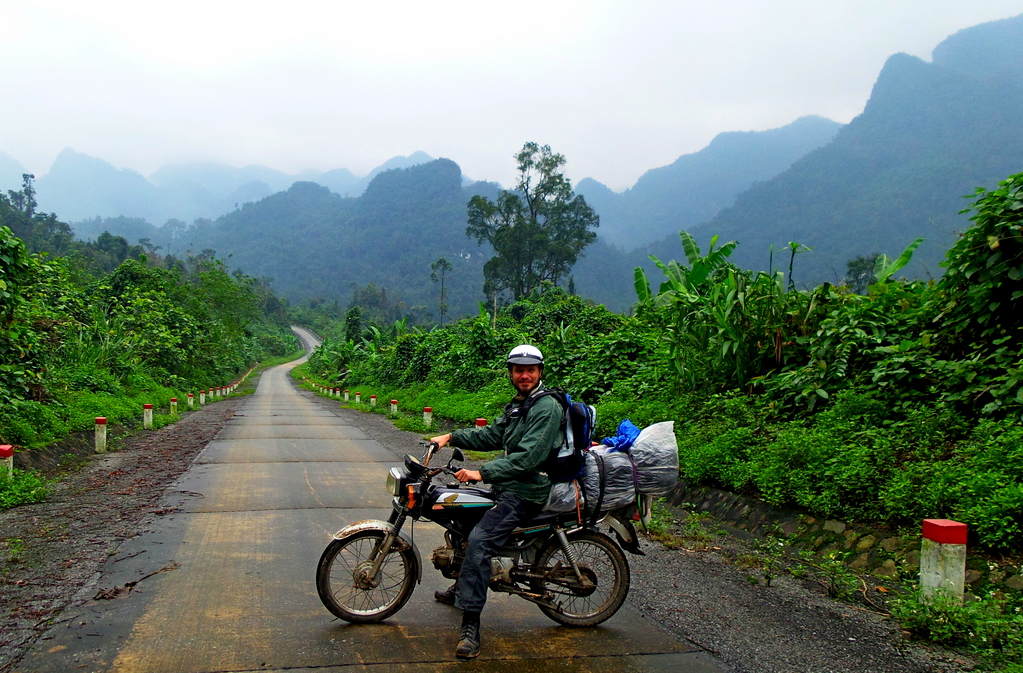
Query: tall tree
<point>437,272</point>
<point>538,230</point>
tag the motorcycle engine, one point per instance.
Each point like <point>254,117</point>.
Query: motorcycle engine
<point>447,561</point>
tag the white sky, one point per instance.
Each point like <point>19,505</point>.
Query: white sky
<point>617,87</point>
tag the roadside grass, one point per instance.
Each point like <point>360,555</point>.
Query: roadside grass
<point>34,426</point>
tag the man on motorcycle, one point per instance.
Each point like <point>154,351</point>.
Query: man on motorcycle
<point>520,486</point>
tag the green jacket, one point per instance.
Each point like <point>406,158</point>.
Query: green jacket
<point>527,445</point>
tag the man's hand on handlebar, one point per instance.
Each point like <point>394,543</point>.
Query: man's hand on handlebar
<point>466,476</point>
<point>441,440</point>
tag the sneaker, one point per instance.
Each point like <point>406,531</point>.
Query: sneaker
<point>469,644</point>
<point>447,597</point>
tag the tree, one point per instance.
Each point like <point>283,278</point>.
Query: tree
<point>537,231</point>
<point>437,271</point>
<point>25,200</point>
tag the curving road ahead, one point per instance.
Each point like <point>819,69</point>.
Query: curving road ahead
<point>228,574</point>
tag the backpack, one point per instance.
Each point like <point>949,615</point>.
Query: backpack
<point>567,461</point>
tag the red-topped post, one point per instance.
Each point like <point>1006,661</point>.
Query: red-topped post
<point>372,400</point>
<point>101,434</point>
<point>191,400</point>
<point>358,397</point>
<point>346,395</point>
<point>427,416</point>
<point>943,558</point>
<point>7,458</point>
<point>481,422</point>
<point>174,406</point>
<point>394,406</point>
<point>202,398</point>
<point>147,416</point>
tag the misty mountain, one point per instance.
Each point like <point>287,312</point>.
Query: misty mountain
<point>79,187</point>
<point>697,186</point>
<point>312,242</point>
<point>930,134</point>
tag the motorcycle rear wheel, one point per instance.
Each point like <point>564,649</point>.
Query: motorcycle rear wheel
<point>601,561</point>
<point>347,590</point>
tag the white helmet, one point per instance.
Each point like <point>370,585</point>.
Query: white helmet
<point>525,355</point>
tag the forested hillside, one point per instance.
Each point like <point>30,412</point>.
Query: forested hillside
<point>697,186</point>
<point>98,329</point>
<point>312,243</point>
<point>931,134</point>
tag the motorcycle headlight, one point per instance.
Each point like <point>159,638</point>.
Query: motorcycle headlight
<point>394,477</point>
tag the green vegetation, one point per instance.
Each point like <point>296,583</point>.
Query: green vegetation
<point>898,404</point>
<point>92,333</point>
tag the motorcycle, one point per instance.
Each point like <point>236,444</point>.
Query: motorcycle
<point>576,574</point>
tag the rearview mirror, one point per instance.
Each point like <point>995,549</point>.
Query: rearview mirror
<point>457,455</point>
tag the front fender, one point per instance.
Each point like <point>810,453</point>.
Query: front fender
<point>402,542</point>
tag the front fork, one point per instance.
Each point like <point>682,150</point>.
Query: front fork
<point>380,552</point>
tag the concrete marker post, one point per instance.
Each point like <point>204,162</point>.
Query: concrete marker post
<point>101,434</point>
<point>191,401</point>
<point>337,393</point>
<point>202,398</point>
<point>943,558</point>
<point>394,406</point>
<point>358,397</point>
<point>147,416</point>
<point>427,416</point>
<point>372,400</point>
<point>7,458</point>
<point>174,406</point>
<point>481,422</point>
<point>346,395</point>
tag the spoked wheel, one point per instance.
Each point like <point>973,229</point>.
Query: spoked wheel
<point>348,587</point>
<point>605,582</point>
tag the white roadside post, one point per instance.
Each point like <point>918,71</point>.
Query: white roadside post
<point>372,400</point>
<point>346,395</point>
<point>358,397</point>
<point>337,393</point>
<point>174,406</point>
<point>427,416</point>
<point>202,398</point>
<point>191,401</point>
<point>7,458</point>
<point>394,406</point>
<point>147,416</point>
<point>943,558</point>
<point>101,434</point>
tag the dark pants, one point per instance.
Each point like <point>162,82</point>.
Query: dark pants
<point>485,540</point>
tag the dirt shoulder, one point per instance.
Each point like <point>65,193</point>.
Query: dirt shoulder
<point>54,550</point>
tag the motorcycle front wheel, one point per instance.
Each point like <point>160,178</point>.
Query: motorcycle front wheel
<point>345,584</point>
<point>601,561</point>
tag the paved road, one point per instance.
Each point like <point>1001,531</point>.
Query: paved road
<point>234,562</point>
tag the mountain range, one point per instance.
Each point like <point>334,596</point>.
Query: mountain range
<point>930,135</point>
<point>80,187</point>
<point>697,186</point>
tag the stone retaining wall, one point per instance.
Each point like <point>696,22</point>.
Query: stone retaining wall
<point>883,552</point>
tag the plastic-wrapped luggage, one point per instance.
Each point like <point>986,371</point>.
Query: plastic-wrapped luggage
<point>649,466</point>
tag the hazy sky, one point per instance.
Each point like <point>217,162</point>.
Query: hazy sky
<point>617,87</point>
